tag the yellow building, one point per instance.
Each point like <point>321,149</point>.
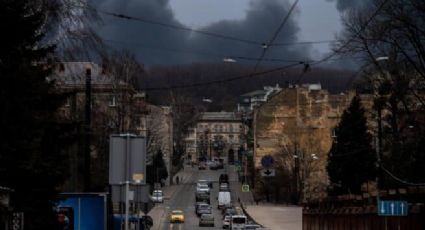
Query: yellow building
<point>296,127</point>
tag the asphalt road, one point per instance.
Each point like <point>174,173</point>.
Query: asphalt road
<point>184,199</point>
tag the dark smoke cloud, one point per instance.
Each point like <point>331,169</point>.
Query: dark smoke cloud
<point>262,19</point>
<point>344,5</point>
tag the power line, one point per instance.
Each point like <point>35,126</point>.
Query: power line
<point>176,27</point>
<point>304,43</point>
<point>203,53</point>
<point>364,26</point>
<point>183,28</point>
<point>222,80</point>
<point>400,180</point>
<point>276,33</point>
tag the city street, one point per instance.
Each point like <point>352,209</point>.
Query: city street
<point>184,199</point>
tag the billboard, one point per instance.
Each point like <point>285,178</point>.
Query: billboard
<point>127,159</point>
<point>83,211</point>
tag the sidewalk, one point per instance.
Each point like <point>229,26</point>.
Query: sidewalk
<point>276,217</point>
<point>160,210</point>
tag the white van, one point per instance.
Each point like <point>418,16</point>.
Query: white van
<point>223,199</point>
<point>238,222</point>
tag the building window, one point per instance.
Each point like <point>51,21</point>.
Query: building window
<point>230,128</point>
<point>68,102</point>
<point>113,101</point>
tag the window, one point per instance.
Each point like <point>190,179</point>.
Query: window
<point>113,101</point>
<point>230,128</point>
<point>68,102</point>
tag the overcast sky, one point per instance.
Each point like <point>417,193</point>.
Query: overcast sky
<point>317,19</point>
<point>313,20</point>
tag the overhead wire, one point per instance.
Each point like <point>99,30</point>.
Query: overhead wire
<point>222,80</point>
<point>168,25</point>
<point>303,43</point>
<point>203,53</point>
<point>399,179</point>
<point>363,27</point>
<point>276,33</point>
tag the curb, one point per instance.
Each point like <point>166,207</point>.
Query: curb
<point>249,216</point>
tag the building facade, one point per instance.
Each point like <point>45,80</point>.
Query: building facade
<point>219,134</point>
<point>296,128</point>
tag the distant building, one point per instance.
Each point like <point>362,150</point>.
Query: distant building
<point>295,126</point>
<point>218,134</point>
<point>112,111</point>
<point>248,101</point>
<point>191,144</point>
<point>158,125</point>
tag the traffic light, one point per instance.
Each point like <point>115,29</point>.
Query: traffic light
<point>65,218</point>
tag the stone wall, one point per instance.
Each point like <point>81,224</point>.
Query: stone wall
<point>296,125</point>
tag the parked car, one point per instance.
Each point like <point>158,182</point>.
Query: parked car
<point>198,204</point>
<point>226,221</point>
<point>202,196</point>
<point>202,166</point>
<point>177,216</point>
<point>224,178</point>
<point>225,207</point>
<point>209,183</point>
<point>157,196</point>
<point>204,210</point>
<point>223,199</point>
<point>252,226</point>
<point>238,222</point>
<point>224,187</point>
<point>206,220</point>
<point>216,165</point>
<point>230,212</point>
<point>201,187</point>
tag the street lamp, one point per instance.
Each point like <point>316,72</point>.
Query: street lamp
<point>229,60</point>
<point>378,100</point>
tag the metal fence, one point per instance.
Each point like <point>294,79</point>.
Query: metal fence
<point>355,219</point>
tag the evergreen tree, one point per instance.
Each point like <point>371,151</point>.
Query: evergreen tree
<point>351,160</point>
<point>158,170</point>
<point>32,162</point>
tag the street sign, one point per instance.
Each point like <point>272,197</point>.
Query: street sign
<point>238,168</point>
<point>268,172</point>
<point>245,188</point>
<point>392,208</point>
<point>267,161</point>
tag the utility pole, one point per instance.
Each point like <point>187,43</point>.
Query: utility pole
<point>87,131</point>
<point>378,149</point>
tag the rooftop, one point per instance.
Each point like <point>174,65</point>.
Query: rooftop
<point>214,116</point>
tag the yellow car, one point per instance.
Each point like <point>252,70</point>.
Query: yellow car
<point>177,216</point>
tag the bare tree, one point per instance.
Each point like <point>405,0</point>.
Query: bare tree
<point>124,70</point>
<point>71,28</point>
<point>390,36</point>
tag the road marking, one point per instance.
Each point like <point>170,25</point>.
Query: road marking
<point>392,208</point>
<point>382,208</point>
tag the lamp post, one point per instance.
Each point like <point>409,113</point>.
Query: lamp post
<point>378,103</point>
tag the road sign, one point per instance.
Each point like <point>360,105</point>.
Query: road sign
<point>392,208</point>
<point>245,188</point>
<point>267,161</point>
<point>268,172</point>
<point>238,168</point>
